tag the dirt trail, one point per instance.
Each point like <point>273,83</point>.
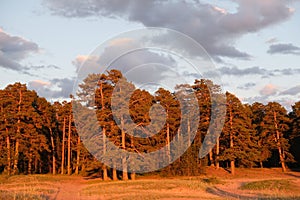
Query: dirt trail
<point>69,190</point>
<point>230,190</point>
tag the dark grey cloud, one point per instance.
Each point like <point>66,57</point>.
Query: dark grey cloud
<point>54,89</point>
<point>263,72</point>
<point>14,49</point>
<point>38,67</point>
<point>291,91</point>
<point>235,71</point>
<point>284,49</point>
<point>247,86</point>
<point>287,71</point>
<point>214,28</point>
<point>65,85</point>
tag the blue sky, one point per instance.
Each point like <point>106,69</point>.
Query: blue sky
<point>254,44</point>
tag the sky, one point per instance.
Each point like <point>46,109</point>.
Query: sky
<point>253,44</point>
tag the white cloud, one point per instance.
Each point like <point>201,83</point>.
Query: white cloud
<point>272,40</point>
<point>269,90</point>
<point>221,10</point>
<point>38,83</point>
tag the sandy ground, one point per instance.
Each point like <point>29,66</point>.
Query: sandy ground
<point>73,188</point>
<point>69,190</point>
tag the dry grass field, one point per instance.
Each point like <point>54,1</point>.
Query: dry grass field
<point>215,184</point>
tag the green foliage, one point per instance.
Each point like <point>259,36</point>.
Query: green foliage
<point>268,185</point>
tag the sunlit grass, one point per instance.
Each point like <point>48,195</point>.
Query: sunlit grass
<point>21,196</point>
<point>37,187</point>
<point>147,189</point>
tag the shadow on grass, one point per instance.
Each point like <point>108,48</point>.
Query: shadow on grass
<point>223,193</point>
<point>226,194</point>
<point>292,175</point>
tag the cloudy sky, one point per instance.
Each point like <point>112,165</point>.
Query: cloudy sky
<point>254,44</point>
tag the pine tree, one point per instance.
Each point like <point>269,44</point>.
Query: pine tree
<point>263,141</point>
<point>275,127</point>
<point>187,164</point>
<point>237,139</point>
<point>201,88</point>
<point>173,114</point>
<point>48,122</point>
<point>120,103</point>
<point>65,113</point>
<point>102,101</point>
<point>295,131</point>
<point>5,133</point>
<point>22,125</point>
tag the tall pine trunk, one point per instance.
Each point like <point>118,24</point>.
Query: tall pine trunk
<point>16,157</point>
<point>259,143</point>
<point>132,175</point>
<point>210,155</point>
<point>69,145</point>
<point>104,168</point>
<point>30,161</point>
<point>78,156</point>
<point>15,170</point>
<point>277,139</point>
<point>53,152</point>
<point>8,153</point>
<point>114,174</point>
<point>124,164</point>
<point>189,131</point>
<point>261,164</point>
<point>211,159</point>
<point>232,164</point>
<point>63,148</point>
<point>168,143</point>
<point>36,164</point>
<point>282,160</point>
<point>8,147</point>
<point>217,153</point>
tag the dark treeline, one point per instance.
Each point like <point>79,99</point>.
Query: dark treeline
<point>39,137</point>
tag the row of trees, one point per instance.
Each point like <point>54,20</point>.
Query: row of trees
<point>39,137</point>
<point>36,136</point>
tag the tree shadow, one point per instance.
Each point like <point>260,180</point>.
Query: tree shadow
<point>225,194</point>
<point>293,175</point>
<point>92,174</point>
<point>295,169</point>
